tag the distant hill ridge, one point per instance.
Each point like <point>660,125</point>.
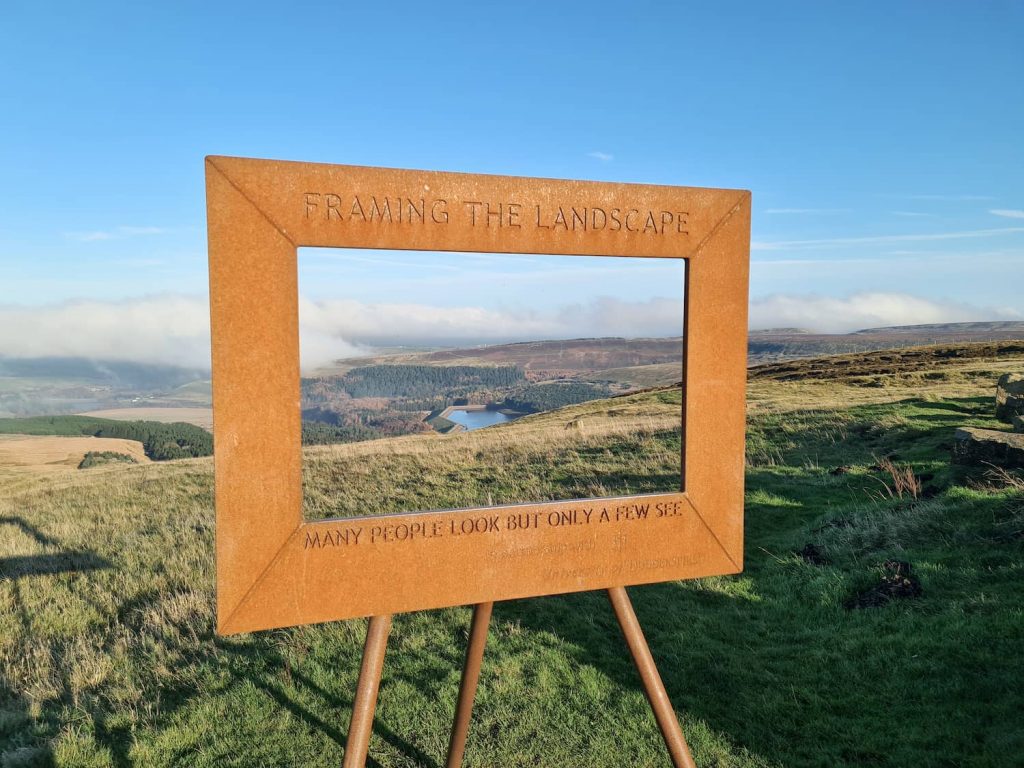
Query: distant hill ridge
<point>122,373</point>
<point>1001,326</point>
<point>987,326</point>
<point>790,344</point>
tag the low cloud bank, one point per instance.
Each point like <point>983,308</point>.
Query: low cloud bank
<point>157,329</point>
<point>389,323</point>
<point>333,329</point>
<point>175,329</point>
<point>826,314</point>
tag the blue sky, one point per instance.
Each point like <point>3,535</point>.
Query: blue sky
<point>882,142</point>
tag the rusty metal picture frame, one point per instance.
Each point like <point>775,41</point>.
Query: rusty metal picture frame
<point>274,569</point>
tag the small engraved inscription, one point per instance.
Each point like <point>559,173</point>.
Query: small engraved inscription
<point>487,524</point>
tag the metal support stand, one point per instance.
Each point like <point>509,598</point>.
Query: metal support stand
<point>470,678</point>
<point>361,725</point>
<point>373,661</point>
<point>653,687</point>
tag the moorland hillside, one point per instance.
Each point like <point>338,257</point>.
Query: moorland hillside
<point>878,619</point>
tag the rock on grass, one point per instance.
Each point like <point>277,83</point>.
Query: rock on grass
<point>1009,396</point>
<point>973,445</point>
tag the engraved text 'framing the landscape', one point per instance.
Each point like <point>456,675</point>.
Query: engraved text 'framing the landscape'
<point>334,207</point>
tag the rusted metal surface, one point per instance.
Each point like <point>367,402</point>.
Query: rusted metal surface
<point>470,678</point>
<point>664,714</point>
<point>275,570</point>
<point>365,704</point>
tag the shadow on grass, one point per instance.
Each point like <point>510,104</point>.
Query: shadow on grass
<point>697,671</point>
<point>70,561</point>
<point>64,561</point>
<point>337,731</point>
<point>17,711</point>
<point>785,673</point>
<point>254,660</point>
<point>971,406</point>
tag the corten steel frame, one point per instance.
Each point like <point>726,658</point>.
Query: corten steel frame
<point>259,213</point>
<point>257,218</point>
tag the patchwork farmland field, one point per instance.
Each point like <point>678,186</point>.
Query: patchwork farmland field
<point>27,453</point>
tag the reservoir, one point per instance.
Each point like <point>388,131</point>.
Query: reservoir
<point>477,419</point>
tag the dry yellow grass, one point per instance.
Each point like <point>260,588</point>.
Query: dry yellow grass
<point>619,416</point>
<point>48,454</point>
<point>970,379</point>
<point>598,449</point>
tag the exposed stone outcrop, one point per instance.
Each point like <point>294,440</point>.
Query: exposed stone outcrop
<point>1018,423</point>
<point>1010,396</point>
<point>972,445</point>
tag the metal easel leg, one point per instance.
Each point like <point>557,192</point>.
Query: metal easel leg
<point>470,678</point>
<point>365,703</point>
<point>653,686</point>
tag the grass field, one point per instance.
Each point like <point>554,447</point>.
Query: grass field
<point>108,658</point>
<point>27,453</point>
<point>611,447</point>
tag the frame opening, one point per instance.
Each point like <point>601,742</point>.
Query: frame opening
<point>507,378</point>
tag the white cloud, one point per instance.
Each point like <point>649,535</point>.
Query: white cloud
<point>118,233</point>
<point>329,324</point>
<point>155,329</point>
<point>838,242</point>
<point>914,214</point>
<point>1009,213</point>
<point>88,237</point>
<point>132,231</point>
<point>810,211</point>
<point>175,329</point>
<point>138,262</point>
<point>944,198</point>
<point>905,257</point>
<point>826,314</point>
<point>604,157</point>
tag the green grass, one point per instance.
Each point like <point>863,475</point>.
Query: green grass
<point>109,659</point>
